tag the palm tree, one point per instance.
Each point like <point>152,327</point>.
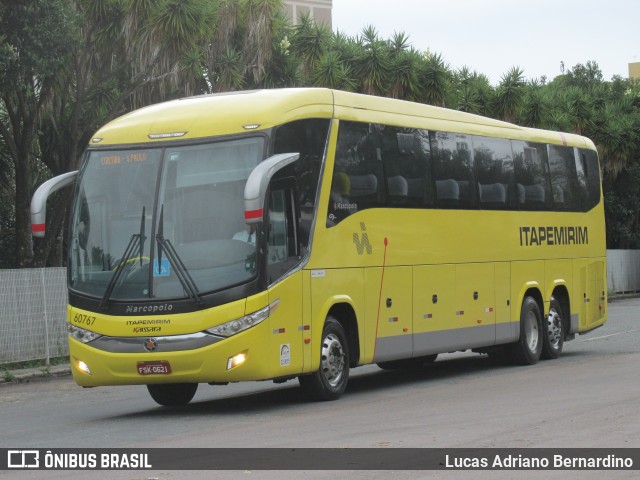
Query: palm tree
<point>435,78</point>
<point>259,40</point>
<point>471,92</point>
<point>229,69</point>
<point>616,133</point>
<point>332,72</point>
<point>373,65</point>
<point>535,106</point>
<point>467,100</point>
<point>509,94</point>
<point>577,104</point>
<point>309,43</point>
<point>405,62</point>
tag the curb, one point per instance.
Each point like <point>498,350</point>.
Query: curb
<point>27,374</point>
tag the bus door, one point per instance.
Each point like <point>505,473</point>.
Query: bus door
<point>433,300</point>
<point>286,327</point>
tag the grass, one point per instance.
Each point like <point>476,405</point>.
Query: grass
<point>35,363</point>
<point>7,369</point>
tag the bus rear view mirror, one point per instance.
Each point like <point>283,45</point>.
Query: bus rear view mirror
<point>39,200</point>
<point>256,187</point>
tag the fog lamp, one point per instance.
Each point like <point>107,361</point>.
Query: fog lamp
<point>83,367</point>
<point>236,360</point>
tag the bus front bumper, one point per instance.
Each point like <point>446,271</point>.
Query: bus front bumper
<point>147,360</point>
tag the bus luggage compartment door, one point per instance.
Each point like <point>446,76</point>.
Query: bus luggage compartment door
<point>392,305</point>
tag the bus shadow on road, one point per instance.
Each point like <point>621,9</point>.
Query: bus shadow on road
<point>290,395</point>
<point>443,369</point>
<point>367,381</point>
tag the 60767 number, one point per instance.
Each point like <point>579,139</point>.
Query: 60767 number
<point>81,319</point>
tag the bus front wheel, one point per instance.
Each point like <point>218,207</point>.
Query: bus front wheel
<point>527,350</point>
<point>330,381</point>
<point>173,394</point>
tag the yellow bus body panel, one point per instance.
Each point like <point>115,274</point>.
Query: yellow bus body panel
<point>418,281</point>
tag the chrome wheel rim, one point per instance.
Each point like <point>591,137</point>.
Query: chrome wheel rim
<point>531,331</point>
<point>332,360</point>
<point>554,328</point>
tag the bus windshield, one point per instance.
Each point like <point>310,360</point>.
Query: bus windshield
<point>163,222</point>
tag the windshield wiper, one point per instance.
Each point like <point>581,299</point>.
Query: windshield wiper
<point>136,241</point>
<point>182,273</point>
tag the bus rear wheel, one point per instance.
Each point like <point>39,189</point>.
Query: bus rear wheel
<point>553,336</point>
<point>330,381</point>
<point>173,394</point>
<point>527,350</point>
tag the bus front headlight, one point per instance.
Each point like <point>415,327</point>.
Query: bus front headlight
<point>80,334</point>
<point>240,324</point>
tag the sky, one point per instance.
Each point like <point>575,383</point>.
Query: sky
<point>492,36</point>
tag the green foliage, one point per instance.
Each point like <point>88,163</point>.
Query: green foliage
<point>622,208</point>
<point>435,79</point>
<point>38,37</point>
<point>509,94</point>
<point>69,66</point>
<point>373,65</point>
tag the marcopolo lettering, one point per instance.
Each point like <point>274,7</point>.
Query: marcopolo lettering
<point>167,307</point>
<point>553,235</point>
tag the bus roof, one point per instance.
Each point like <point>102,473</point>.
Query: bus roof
<point>238,112</point>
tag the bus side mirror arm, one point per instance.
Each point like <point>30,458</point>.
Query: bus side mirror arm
<point>255,189</point>
<point>39,200</point>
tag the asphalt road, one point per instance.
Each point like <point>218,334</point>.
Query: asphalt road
<point>590,397</point>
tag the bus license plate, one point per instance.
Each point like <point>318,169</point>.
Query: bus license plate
<point>154,368</point>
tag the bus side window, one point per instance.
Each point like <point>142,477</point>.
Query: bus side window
<point>356,183</point>
<point>406,161</point>
<point>494,169</point>
<point>453,170</point>
<point>533,190</point>
<point>591,170</point>
<point>307,137</point>
<point>564,179</point>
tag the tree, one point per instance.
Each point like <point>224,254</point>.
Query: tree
<point>509,94</point>
<point>38,36</point>
<point>405,65</point>
<point>373,65</point>
<point>471,92</point>
<point>576,102</point>
<point>435,78</point>
<point>309,43</point>
<point>535,107</point>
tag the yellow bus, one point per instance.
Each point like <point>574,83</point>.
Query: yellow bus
<point>275,234</point>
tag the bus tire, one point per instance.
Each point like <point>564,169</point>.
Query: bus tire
<point>330,381</point>
<point>527,350</point>
<point>172,394</point>
<point>408,362</point>
<point>553,335</point>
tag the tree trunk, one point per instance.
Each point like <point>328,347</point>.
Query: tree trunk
<point>24,245</point>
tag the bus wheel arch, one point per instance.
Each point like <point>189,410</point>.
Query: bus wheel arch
<point>346,316</point>
<point>528,348</point>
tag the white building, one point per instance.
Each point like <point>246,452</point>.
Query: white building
<point>320,10</point>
